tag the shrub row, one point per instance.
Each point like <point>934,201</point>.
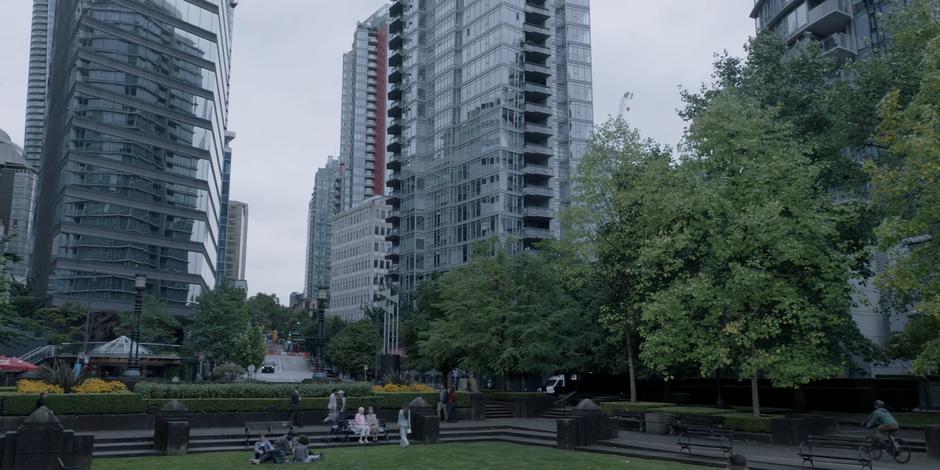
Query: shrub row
<point>76,404</point>
<point>128,403</point>
<point>510,396</point>
<point>732,420</point>
<point>247,390</point>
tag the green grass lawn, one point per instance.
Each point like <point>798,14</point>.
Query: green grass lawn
<point>471,456</point>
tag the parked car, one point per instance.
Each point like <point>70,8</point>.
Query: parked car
<point>268,367</point>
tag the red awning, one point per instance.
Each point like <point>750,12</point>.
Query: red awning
<point>15,364</point>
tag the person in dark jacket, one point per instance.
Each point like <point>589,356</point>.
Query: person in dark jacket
<point>294,416</point>
<point>452,406</point>
<point>41,401</point>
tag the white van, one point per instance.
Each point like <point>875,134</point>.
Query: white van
<point>555,382</point>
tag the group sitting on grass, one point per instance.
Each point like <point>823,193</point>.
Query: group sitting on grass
<point>284,449</point>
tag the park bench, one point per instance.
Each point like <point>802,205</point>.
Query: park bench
<point>836,449</point>
<point>63,466</point>
<point>625,419</point>
<point>708,438</point>
<point>348,430</point>
<point>271,428</point>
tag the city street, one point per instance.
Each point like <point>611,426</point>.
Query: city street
<point>288,369</point>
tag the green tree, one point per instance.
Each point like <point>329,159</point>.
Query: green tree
<point>502,313</point>
<point>619,183</point>
<point>156,325</point>
<point>267,312</point>
<point>354,347</point>
<point>250,347</point>
<point>61,324</point>
<point>218,325</point>
<point>906,176</point>
<point>764,289</point>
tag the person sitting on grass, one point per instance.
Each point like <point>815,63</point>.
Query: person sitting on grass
<point>373,422</point>
<point>302,452</point>
<point>282,448</point>
<point>262,446</point>
<point>361,426</point>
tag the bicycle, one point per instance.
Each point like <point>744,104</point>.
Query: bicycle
<point>897,447</point>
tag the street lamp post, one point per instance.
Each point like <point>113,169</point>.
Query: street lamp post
<point>133,355</point>
<point>322,298</point>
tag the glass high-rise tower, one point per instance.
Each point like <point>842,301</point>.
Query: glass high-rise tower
<point>132,161</point>
<point>490,107</point>
<point>324,202</point>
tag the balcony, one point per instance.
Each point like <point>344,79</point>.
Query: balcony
<point>392,274</point>
<point>396,42</point>
<point>536,91</point>
<point>394,145</point>
<point>393,217</point>
<point>536,72</point>
<point>393,236</point>
<point>394,94</point>
<point>537,152</point>
<point>396,58</point>
<point>535,52</point>
<point>536,13</point>
<point>838,45</point>
<point>395,77</point>
<point>537,111</point>
<point>537,192</point>
<point>396,9</point>
<point>539,213</point>
<point>537,131</point>
<point>535,33</point>
<point>394,199</point>
<point>393,254</point>
<point>393,164</point>
<point>394,111</point>
<point>829,17</point>
<point>531,233</point>
<point>395,127</point>
<point>396,25</point>
<point>394,180</point>
<point>539,170</point>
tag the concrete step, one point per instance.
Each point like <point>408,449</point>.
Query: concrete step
<point>510,439</point>
<point>525,434</point>
<point>646,452</point>
<point>109,446</point>
<point>103,454</point>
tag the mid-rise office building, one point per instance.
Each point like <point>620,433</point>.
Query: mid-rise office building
<point>844,28</point>
<point>133,151</point>
<point>490,107</point>
<point>358,269</point>
<point>221,272</point>
<point>324,202</point>
<point>236,241</point>
<point>17,184</point>
<point>362,127</point>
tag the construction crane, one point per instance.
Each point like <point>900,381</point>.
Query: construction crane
<point>624,106</point>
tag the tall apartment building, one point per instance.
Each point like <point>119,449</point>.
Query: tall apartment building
<point>221,271</point>
<point>17,184</point>
<point>236,241</point>
<point>132,161</point>
<point>40,58</point>
<point>324,202</point>
<point>844,28</point>
<point>362,127</point>
<point>358,269</point>
<point>490,106</point>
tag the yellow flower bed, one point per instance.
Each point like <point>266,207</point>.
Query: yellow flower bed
<point>393,388</point>
<point>100,386</point>
<point>36,386</point>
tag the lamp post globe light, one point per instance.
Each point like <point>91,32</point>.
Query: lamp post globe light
<point>133,354</point>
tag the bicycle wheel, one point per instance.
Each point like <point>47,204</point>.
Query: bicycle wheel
<point>901,451</point>
<point>875,453</point>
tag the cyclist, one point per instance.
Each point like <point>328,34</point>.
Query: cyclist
<point>882,422</point>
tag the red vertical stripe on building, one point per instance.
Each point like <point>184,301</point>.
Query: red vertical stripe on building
<point>381,97</point>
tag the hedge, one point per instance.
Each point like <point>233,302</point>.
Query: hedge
<point>127,403</point>
<point>511,396</point>
<point>747,423</point>
<point>74,404</point>
<point>638,407</point>
<point>150,390</point>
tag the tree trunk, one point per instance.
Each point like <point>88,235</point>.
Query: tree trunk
<point>631,367</point>
<point>720,401</point>
<point>505,386</point>
<point>755,395</point>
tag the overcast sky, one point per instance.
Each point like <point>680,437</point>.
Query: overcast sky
<point>285,96</point>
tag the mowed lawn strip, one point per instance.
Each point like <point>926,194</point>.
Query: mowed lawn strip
<point>469,456</point>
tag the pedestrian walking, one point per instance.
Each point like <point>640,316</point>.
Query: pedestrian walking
<point>331,408</point>
<point>404,426</point>
<point>442,404</point>
<point>41,401</point>
<point>452,406</point>
<point>294,415</point>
